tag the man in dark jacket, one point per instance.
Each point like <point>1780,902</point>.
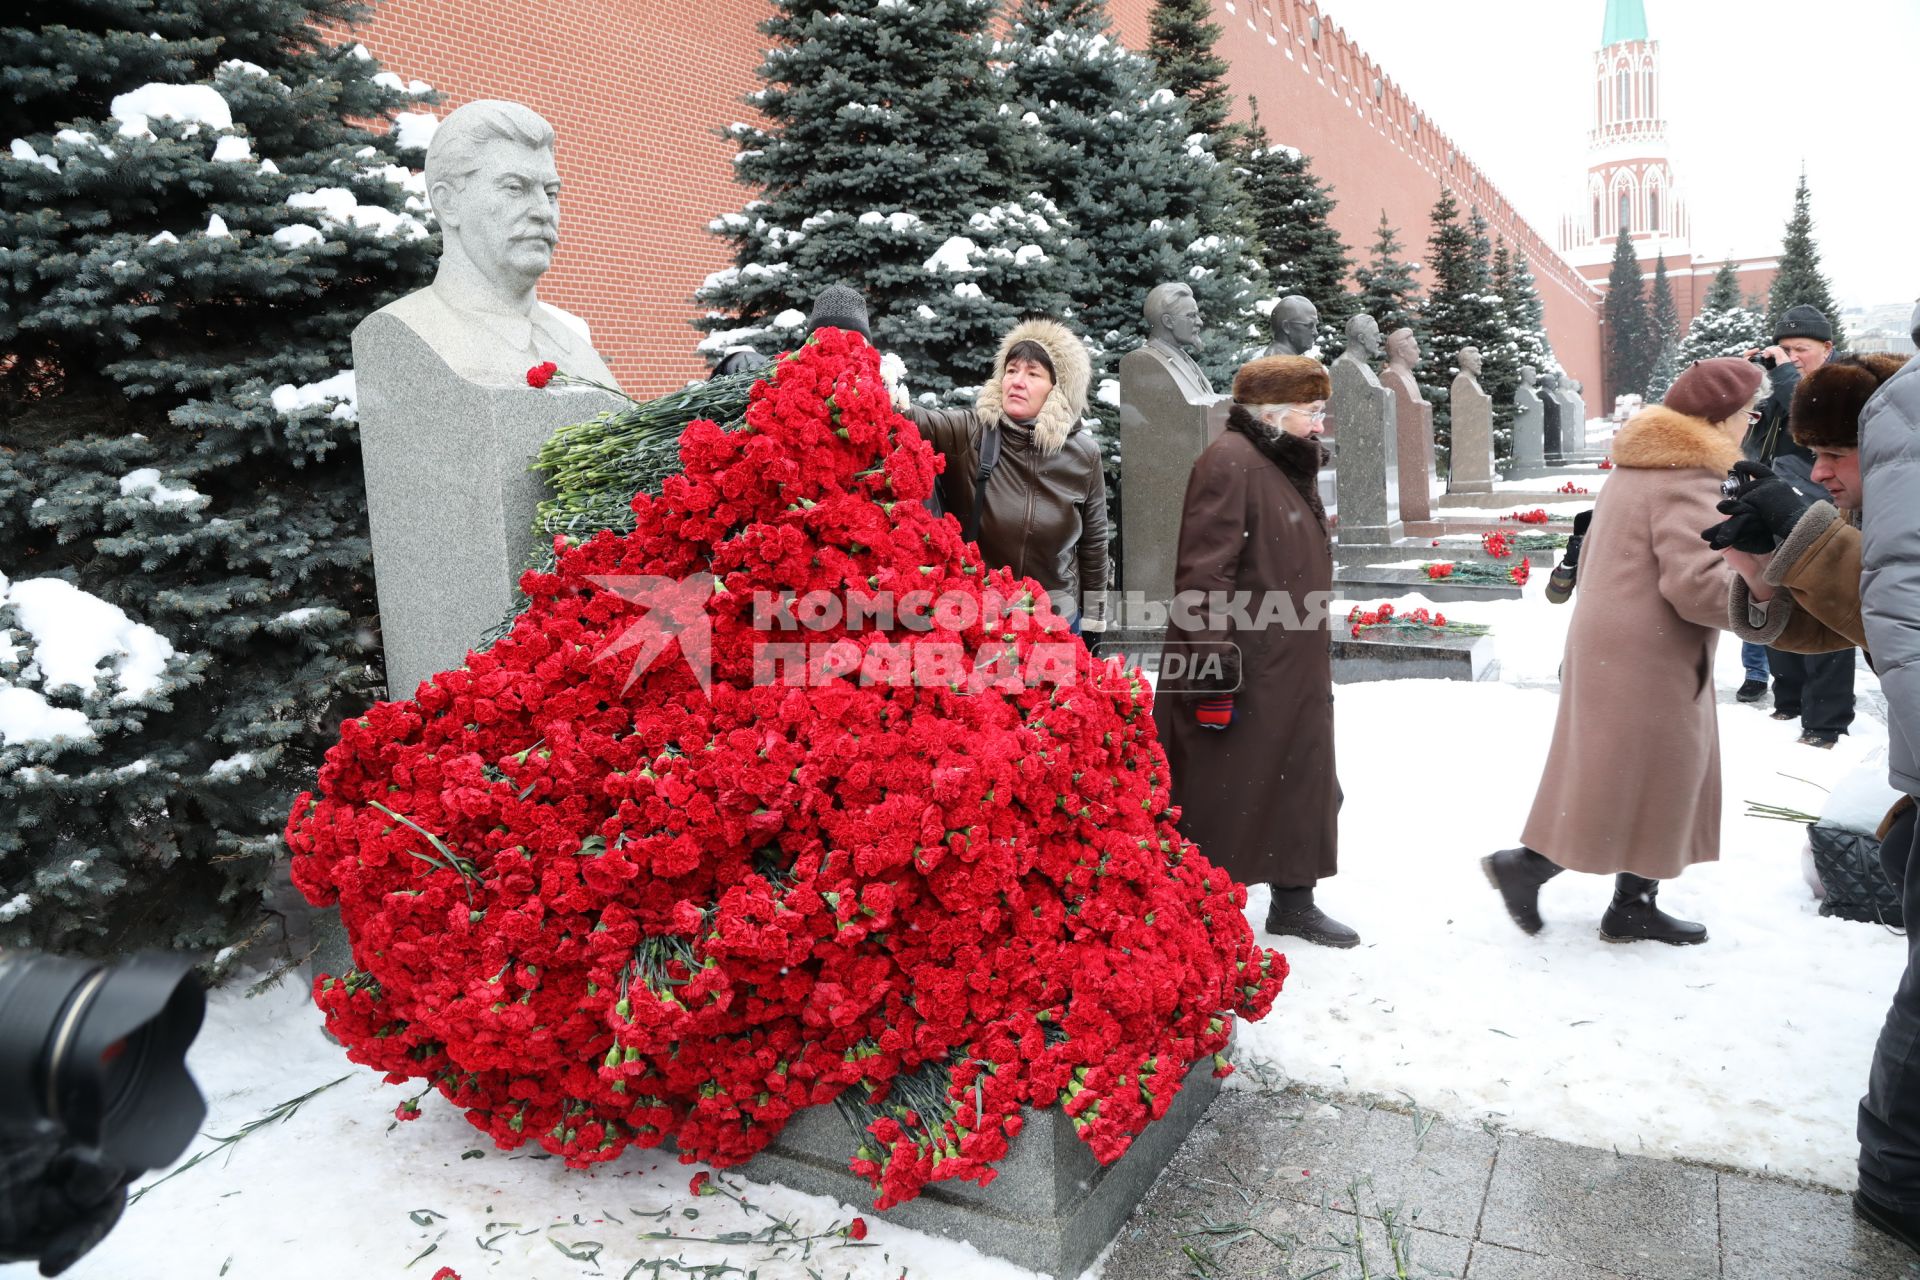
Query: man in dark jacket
<point>1815,689</point>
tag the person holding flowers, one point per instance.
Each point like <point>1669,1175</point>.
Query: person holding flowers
<point>1631,786</point>
<point>1251,745</point>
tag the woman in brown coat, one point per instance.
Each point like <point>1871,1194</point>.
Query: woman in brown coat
<point>1250,745</point>
<point>1632,781</point>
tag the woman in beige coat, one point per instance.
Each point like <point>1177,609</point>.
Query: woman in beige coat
<point>1632,781</point>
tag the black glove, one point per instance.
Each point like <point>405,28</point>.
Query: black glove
<point>1761,510</point>
<point>56,1201</point>
<point>1560,582</point>
<point>1571,557</point>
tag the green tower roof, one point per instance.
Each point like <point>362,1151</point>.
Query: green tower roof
<point>1626,20</point>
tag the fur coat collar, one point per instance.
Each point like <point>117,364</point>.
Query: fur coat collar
<point>1657,438</point>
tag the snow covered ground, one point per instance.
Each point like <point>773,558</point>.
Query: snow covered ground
<point>1751,1050</point>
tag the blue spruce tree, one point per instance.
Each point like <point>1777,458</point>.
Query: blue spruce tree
<point>889,163</point>
<point>196,215</point>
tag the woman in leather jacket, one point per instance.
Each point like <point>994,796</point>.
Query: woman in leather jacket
<point>1041,508</point>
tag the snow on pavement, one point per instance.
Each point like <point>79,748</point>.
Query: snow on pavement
<point>1750,1051</point>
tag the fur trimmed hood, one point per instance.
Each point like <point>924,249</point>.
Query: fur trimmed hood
<point>1659,438</point>
<point>1072,371</point>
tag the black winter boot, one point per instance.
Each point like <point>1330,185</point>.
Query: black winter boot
<point>1634,917</point>
<point>1904,1227</point>
<point>1293,915</point>
<point>1518,875</point>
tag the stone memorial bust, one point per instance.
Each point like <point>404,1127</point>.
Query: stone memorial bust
<point>1528,375</point>
<point>1403,353</point>
<point>1363,343</point>
<point>491,179</point>
<point>1470,364</point>
<point>1173,328</point>
<point>1295,322</point>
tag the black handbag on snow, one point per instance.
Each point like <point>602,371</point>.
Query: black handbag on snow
<point>1848,864</point>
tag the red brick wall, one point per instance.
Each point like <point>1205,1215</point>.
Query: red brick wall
<point>640,93</point>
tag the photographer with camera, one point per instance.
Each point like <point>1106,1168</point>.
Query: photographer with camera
<point>1845,573</point>
<point>94,1091</point>
<point>1814,688</point>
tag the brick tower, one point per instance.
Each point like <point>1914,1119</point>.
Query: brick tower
<point>1630,185</point>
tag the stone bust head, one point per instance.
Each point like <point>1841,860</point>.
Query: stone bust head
<point>1363,338</point>
<point>1528,375</point>
<point>1403,350</point>
<point>1470,362</point>
<point>491,178</point>
<point>1295,321</point>
<point>1173,317</point>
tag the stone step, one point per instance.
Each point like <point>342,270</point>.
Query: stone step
<point>1413,658</point>
<point>1356,583</point>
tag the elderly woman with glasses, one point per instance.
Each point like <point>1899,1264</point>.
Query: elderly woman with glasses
<point>1245,702</point>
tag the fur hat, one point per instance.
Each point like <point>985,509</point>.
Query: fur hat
<point>1072,371</point>
<point>1827,403</point>
<point>1714,390</point>
<point>1281,380</point>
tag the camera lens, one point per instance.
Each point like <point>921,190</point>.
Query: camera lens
<point>101,1049</point>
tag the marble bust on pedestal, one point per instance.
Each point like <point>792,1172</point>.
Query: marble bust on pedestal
<point>1169,412</point>
<point>448,424</point>
<point>1364,425</point>
<point>1470,455</point>
<point>1415,418</point>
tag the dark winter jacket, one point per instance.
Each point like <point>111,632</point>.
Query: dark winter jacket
<point>1890,562</point>
<point>1768,439</point>
<point>1259,797</point>
<point>1046,501</point>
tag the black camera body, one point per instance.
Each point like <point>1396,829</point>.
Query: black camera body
<point>94,1091</point>
<point>1765,361</point>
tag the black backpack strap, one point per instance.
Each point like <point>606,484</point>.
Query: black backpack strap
<point>989,459</point>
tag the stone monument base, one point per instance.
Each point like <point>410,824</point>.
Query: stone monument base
<point>1362,582</point>
<point>1052,1208</point>
<point>1407,658</point>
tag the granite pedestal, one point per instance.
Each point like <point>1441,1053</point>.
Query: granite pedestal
<point>1365,427</point>
<point>1529,433</point>
<point>1052,1208</point>
<point>450,499</point>
<point>1162,432</point>
<point>1470,452</point>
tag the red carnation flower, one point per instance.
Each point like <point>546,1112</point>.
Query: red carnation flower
<point>541,374</point>
<point>609,892</point>
<point>446,1273</point>
<point>857,1229</point>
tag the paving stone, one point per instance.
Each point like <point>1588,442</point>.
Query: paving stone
<point>1492,1262</point>
<point>1641,1217</point>
<point>1770,1229</point>
<point>1276,1240</point>
<point>1432,1174</point>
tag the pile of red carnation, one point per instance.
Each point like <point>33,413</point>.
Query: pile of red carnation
<point>598,908</point>
<point>1536,516</point>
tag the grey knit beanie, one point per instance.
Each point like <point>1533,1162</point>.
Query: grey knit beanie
<point>839,307</point>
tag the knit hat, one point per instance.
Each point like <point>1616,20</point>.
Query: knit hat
<point>1714,389</point>
<point>1804,321</point>
<point>1281,380</point>
<point>1827,403</point>
<point>839,307</point>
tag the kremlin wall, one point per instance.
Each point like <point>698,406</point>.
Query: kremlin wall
<point>641,92</point>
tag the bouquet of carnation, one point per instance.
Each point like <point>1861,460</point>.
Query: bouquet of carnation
<point>1470,571</point>
<point>1536,516</point>
<point>613,881</point>
<point>1381,621</point>
<point>1569,487</point>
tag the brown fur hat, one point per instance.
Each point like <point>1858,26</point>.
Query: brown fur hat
<point>1281,380</point>
<point>1827,403</point>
